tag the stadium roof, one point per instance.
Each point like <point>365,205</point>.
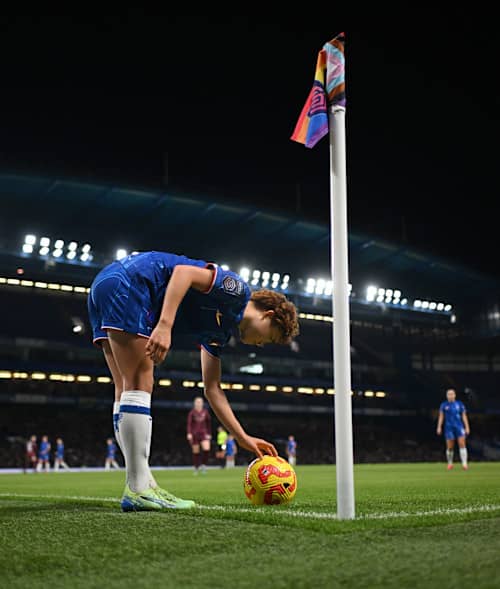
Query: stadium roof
<point>110,216</point>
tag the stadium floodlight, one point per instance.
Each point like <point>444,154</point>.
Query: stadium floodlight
<point>448,308</point>
<point>320,286</point>
<point>27,248</point>
<point>57,253</point>
<point>71,255</point>
<point>245,274</point>
<point>44,241</point>
<point>85,257</point>
<point>224,267</point>
<point>371,293</point>
<point>72,246</point>
<point>30,239</point>
<point>44,250</point>
<point>120,254</point>
<point>255,277</point>
<point>86,248</point>
<point>311,285</point>
<point>59,244</point>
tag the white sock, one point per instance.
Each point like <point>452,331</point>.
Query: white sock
<point>449,456</point>
<point>135,433</point>
<point>463,456</point>
<point>116,425</point>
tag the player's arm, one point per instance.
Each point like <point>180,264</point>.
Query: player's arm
<point>208,425</point>
<point>440,423</point>
<point>211,373</point>
<point>183,278</point>
<point>466,422</point>
<point>189,435</point>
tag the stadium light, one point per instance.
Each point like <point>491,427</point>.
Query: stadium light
<point>120,254</point>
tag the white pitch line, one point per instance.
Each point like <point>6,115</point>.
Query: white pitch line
<point>280,512</point>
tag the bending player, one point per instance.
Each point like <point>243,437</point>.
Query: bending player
<point>134,306</point>
<point>456,426</point>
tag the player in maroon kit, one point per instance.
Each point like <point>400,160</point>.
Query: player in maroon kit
<point>30,455</point>
<point>199,434</point>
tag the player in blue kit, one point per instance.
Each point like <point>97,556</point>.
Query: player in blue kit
<point>110,460</point>
<point>456,426</point>
<point>135,306</point>
<point>43,455</point>
<point>231,451</point>
<point>291,450</point>
<point>59,456</point>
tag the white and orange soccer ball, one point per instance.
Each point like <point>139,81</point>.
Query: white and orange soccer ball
<point>270,481</point>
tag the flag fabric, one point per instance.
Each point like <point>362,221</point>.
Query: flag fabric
<point>328,89</point>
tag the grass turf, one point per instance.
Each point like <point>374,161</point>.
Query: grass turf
<point>417,525</point>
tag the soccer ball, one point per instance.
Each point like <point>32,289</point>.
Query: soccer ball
<point>270,481</point>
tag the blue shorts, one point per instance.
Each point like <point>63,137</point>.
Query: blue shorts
<point>453,432</point>
<point>119,301</point>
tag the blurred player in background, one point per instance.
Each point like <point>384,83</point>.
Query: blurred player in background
<point>456,426</point>
<point>135,306</point>
<point>199,434</point>
<point>59,455</point>
<point>291,450</point>
<point>44,455</point>
<point>110,460</point>
<point>221,445</point>
<point>30,455</point>
<point>231,451</point>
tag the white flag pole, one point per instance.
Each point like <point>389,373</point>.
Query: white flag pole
<point>341,321</point>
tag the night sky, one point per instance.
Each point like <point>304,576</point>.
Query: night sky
<point>114,99</point>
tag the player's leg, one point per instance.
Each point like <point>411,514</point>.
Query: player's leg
<point>39,465</point>
<point>136,369</point>
<point>450,444</point>
<point>205,450</point>
<point>462,449</point>
<point>56,464</point>
<point>196,456</point>
<point>47,465</point>
<point>118,384</point>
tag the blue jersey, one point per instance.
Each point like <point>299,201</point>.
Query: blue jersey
<point>44,450</point>
<point>111,450</point>
<point>291,447</point>
<point>230,447</point>
<point>128,295</point>
<point>60,450</point>
<point>453,422</point>
<point>452,413</point>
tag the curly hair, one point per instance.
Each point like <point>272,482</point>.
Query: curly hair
<point>285,316</point>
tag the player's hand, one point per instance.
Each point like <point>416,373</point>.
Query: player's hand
<point>438,431</point>
<point>257,446</point>
<point>189,437</point>
<point>158,344</point>
<point>467,431</point>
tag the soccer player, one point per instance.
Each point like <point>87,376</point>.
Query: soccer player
<point>456,426</point>
<point>43,455</point>
<point>221,445</point>
<point>110,455</point>
<point>199,426</point>
<point>30,456</point>
<point>291,450</point>
<point>231,451</point>
<point>59,455</point>
<point>135,305</point>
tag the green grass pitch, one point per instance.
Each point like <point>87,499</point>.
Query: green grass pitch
<point>417,525</point>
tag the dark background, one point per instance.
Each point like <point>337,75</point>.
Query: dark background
<point>208,103</point>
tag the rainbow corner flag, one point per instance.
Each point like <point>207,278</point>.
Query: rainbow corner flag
<point>328,89</point>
